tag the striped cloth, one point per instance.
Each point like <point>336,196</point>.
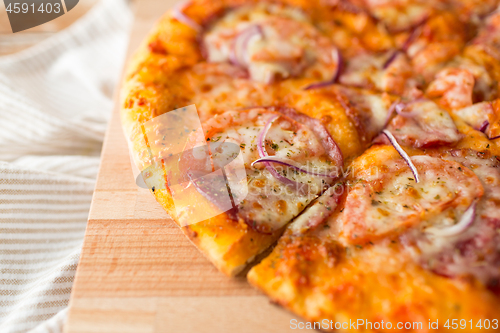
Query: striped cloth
<point>55,100</point>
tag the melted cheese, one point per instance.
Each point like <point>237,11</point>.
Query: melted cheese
<point>269,204</point>
<point>272,42</point>
<point>426,125</point>
<point>476,250</point>
<point>318,211</point>
<point>367,110</point>
<point>218,87</point>
<point>454,87</point>
<point>475,115</point>
<point>367,71</point>
<point>399,15</point>
<point>389,200</point>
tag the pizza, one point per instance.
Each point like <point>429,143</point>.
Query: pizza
<point>343,154</point>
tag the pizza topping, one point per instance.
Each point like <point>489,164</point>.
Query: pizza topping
<point>428,126</point>
<point>340,65</point>
<point>292,164</point>
<point>318,85</point>
<point>482,117</point>
<point>476,115</point>
<point>403,111</point>
<point>398,76</point>
<point>488,37</point>
<point>472,246</point>
<point>400,15</point>
<point>464,223</point>
<point>474,11</point>
<point>440,39</point>
<point>302,188</point>
<point>238,52</point>
<point>364,70</point>
<point>213,187</point>
<point>403,154</point>
<point>484,86</point>
<point>318,211</point>
<point>390,72</point>
<point>389,201</point>
<point>484,126</point>
<point>415,32</point>
<point>330,146</point>
<point>217,87</point>
<point>275,193</point>
<point>397,107</point>
<point>454,88</point>
<point>272,42</point>
<point>368,111</point>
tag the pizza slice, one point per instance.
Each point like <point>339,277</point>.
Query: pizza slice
<point>390,245</point>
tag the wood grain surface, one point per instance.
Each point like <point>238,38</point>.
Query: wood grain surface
<point>138,272</point>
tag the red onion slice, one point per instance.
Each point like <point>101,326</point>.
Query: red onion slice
<point>389,60</point>
<point>318,85</point>
<point>396,106</point>
<point>399,110</point>
<point>456,229</point>
<point>484,126</point>
<point>262,135</point>
<point>289,163</point>
<point>302,188</point>
<point>336,74</point>
<point>403,154</point>
<point>239,46</point>
<point>340,65</point>
<point>178,14</point>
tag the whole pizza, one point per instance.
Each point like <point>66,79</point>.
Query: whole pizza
<point>342,154</point>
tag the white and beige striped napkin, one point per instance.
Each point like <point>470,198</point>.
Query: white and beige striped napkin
<point>55,100</point>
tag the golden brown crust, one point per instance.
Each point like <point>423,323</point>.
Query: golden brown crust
<point>228,244</point>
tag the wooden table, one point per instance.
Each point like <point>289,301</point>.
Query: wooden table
<point>138,273</point>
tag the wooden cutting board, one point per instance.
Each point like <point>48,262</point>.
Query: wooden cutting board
<point>138,273</point>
